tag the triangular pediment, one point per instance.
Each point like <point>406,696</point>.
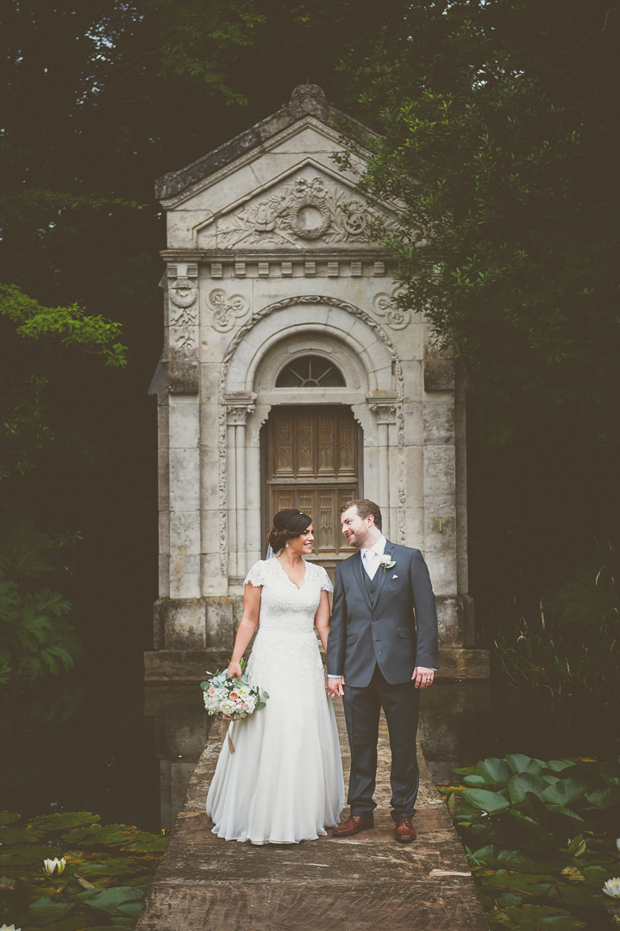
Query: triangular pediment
<point>305,207</point>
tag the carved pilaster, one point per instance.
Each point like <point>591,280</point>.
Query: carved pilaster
<point>182,328</point>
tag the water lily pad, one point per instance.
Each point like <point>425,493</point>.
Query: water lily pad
<point>559,766</point>
<point>527,883</point>
<point>143,842</point>
<point>580,895</point>
<point>8,817</point>
<point>566,813</point>
<point>113,866</point>
<point>520,763</point>
<point>113,835</point>
<point>492,802</point>
<point>19,835</point>
<point>44,911</point>
<point>564,791</point>
<point>476,781</point>
<point>494,771</point>
<point>604,798</point>
<point>108,900</point>
<point>534,918</point>
<point>64,819</point>
<point>522,783</point>
<point>22,856</point>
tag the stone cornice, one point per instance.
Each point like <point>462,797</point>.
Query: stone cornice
<point>306,100</point>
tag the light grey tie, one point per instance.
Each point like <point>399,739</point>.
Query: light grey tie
<point>369,556</point>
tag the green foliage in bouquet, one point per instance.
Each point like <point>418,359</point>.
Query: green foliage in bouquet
<point>540,839</point>
<point>80,887</point>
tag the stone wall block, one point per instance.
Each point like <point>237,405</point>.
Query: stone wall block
<point>184,533</point>
<point>185,576</point>
<point>439,426</point>
<point>438,373</point>
<point>184,479</point>
<point>220,624</point>
<point>184,621</point>
<point>450,620</point>
<point>183,371</point>
<point>184,424</point>
<point>439,472</point>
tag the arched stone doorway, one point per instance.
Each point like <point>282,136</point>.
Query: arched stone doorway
<point>311,460</point>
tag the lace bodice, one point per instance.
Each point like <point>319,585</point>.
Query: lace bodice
<point>283,606</point>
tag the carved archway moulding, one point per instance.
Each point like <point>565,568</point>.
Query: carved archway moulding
<point>226,409</point>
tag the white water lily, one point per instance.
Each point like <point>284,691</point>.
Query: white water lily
<point>618,843</point>
<point>9,928</point>
<point>53,867</point>
<point>612,888</point>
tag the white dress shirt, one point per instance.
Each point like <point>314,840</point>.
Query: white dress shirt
<point>371,556</point>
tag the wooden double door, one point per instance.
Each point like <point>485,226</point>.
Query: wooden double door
<point>312,462</point>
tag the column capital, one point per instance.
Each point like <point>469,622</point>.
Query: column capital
<point>239,404</point>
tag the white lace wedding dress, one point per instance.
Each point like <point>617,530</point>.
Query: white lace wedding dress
<point>283,783</point>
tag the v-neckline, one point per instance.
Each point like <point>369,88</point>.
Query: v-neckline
<point>298,587</point>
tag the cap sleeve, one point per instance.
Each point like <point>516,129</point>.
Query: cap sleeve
<point>326,585</point>
<point>256,575</point>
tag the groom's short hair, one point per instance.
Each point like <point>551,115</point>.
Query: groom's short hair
<point>365,507</point>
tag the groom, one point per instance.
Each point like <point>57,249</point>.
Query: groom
<point>383,642</point>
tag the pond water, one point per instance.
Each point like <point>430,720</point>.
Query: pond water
<point>127,751</point>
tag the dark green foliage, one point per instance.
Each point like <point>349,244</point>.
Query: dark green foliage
<point>85,895</point>
<point>35,637</point>
<point>540,838</point>
<point>571,646</point>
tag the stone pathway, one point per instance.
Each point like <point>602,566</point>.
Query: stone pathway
<point>366,882</point>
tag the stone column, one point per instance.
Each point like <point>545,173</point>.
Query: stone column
<point>385,411</point>
<point>238,406</point>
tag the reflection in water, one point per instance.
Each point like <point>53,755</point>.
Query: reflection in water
<point>180,734</point>
<point>127,752</point>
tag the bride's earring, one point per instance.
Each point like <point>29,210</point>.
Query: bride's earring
<point>287,544</point>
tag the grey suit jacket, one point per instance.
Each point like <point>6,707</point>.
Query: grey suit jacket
<point>396,630</point>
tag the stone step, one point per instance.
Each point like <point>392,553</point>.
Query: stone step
<point>364,882</point>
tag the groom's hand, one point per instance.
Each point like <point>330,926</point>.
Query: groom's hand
<point>335,686</point>
<point>423,677</point>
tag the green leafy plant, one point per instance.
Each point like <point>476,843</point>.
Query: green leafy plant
<point>572,646</point>
<point>540,838</point>
<point>86,894</point>
<point>35,637</point>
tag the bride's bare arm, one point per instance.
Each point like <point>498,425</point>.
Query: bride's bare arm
<point>321,619</point>
<point>251,611</point>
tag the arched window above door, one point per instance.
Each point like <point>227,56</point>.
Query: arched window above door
<point>310,372</point>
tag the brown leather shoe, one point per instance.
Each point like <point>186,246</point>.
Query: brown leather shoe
<point>354,825</point>
<point>404,831</point>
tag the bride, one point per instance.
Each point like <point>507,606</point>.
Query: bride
<point>283,783</point>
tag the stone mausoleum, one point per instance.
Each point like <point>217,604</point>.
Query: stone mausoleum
<point>290,378</point>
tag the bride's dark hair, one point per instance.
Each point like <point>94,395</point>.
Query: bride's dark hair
<point>287,524</point>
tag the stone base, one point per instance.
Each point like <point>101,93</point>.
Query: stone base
<point>191,665</point>
<point>460,663</point>
<point>182,665</point>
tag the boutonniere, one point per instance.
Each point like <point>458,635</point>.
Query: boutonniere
<point>386,563</point>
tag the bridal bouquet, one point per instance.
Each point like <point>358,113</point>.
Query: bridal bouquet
<point>226,697</point>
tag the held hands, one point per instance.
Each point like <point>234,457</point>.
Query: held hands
<point>423,677</point>
<point>335,686</point>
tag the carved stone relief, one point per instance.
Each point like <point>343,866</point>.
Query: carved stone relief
<point>227,310</point>
<point>384,305</point>
<point>301,211</point>
<point>182,306</point>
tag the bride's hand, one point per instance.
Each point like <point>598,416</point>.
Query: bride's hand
<point>234,670</point>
